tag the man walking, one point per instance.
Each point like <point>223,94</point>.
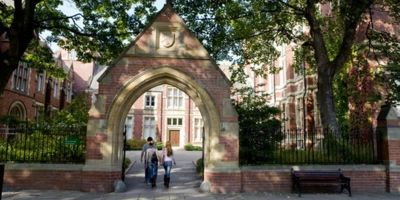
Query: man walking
<point>144,149</point>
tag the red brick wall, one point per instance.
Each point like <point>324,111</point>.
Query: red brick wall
<point>93,146</point>
<point>224,182</point>
<point>61,180</point>
<point>394,151</point>
<point>266,181</point>
<point>43,179</point>
<point>99,181</point>
<point>280,180</point>
<point>231,148</point>
<point>394,182</point>
<point>209,77</point>
<point>28,99</point>
<point>367,181</point>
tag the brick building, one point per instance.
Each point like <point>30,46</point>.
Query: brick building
<point>294,92</point>
<point>30,91</point>
<point>166,113</point>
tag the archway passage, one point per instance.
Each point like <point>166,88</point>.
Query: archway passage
<point>164,53</point>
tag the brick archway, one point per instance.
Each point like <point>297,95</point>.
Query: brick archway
<point>164,53</point>
<point>142,82</point>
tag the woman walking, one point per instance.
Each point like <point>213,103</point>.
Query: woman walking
<point>167,159</point>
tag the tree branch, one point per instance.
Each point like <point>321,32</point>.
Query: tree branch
<point>60,18</point>
<point>350,28</point>
<point>77,32</point>
<point>298,11</point>
<point>318,42</point>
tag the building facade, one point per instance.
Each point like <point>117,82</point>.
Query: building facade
<point>166,114</point>
<point>30,92</point>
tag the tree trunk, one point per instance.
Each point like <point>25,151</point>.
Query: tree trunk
<point>326,101</point>
<point>5,75</point>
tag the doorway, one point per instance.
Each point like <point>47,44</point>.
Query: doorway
<point>174,137</point>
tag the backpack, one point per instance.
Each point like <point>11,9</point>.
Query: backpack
<point>154,158</point>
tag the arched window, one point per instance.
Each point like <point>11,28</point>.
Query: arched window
<point>17,110</point>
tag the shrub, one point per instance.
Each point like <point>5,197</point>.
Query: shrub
<point>258,128</point>
<point>190,147</point>
<point>127,162</point>
<point>159,145</point>
<point>134,144</point>
<point>200,167</point>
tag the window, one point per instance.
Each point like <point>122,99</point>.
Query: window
<point>40,82</point>
<point>149,127</point>
<point>150,101</point>
<point>299,113</point>
<point>129,127</point>
<point>39,111</point>
<point>198,130</point>
<point>174,121</point>
<point>55,88</point>
<point>175,98</point>
<point>69,92</point>
<point>20,79</point>
<point>17,110</point>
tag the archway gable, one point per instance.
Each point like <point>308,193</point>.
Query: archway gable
<point>151,42</point>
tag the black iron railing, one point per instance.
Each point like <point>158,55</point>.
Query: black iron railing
<point>317,147</point>
<point>32,143</point>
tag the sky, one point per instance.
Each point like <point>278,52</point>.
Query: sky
<point>69,9</point>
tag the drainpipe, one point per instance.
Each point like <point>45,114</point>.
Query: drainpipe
<point>304,104</point>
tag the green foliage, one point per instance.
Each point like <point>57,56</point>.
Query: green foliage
<point>45,145</point>
<point>159,145</point>
<point>200,167</point>
<point>100,31</point>
<point>250,31</point>
<point>8,119</point>
<point>190,147</point>
<point>387,46</point>
<point>259,129</point>
<point>134,144</point>
<point>340,88</point>
<point>40,57</point>
<point>127,162</point>
<point>75,114</point>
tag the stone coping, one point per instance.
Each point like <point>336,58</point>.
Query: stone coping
<point>41,166</point>
<point>287,168</point>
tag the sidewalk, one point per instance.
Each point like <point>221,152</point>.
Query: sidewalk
<point>184,185</point>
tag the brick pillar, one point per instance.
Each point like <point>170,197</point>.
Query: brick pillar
<point>389,146</point>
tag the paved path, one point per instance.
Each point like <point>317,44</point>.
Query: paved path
<point>184,185</point>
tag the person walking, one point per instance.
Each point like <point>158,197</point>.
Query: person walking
<point>152,157</point>
<point>142,156</point>
<point>167,160</point>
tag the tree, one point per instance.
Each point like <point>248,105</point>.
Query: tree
<point>259,129</point>
<point>247,31</point>
<point>99,31</point>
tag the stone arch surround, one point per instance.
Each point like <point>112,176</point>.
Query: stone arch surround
<point>139,84</point>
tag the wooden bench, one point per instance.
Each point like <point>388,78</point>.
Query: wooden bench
<point>301,178</point>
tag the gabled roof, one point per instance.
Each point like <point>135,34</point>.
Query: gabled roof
<point>147,43</point>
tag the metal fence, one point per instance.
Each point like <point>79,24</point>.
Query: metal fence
<point>33,143</point>
<point>317,147</point>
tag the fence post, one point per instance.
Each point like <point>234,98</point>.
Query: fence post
<point>389,127</point>
<point>1,178</point>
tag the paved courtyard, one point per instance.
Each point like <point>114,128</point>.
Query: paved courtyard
<point>184,185</point>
